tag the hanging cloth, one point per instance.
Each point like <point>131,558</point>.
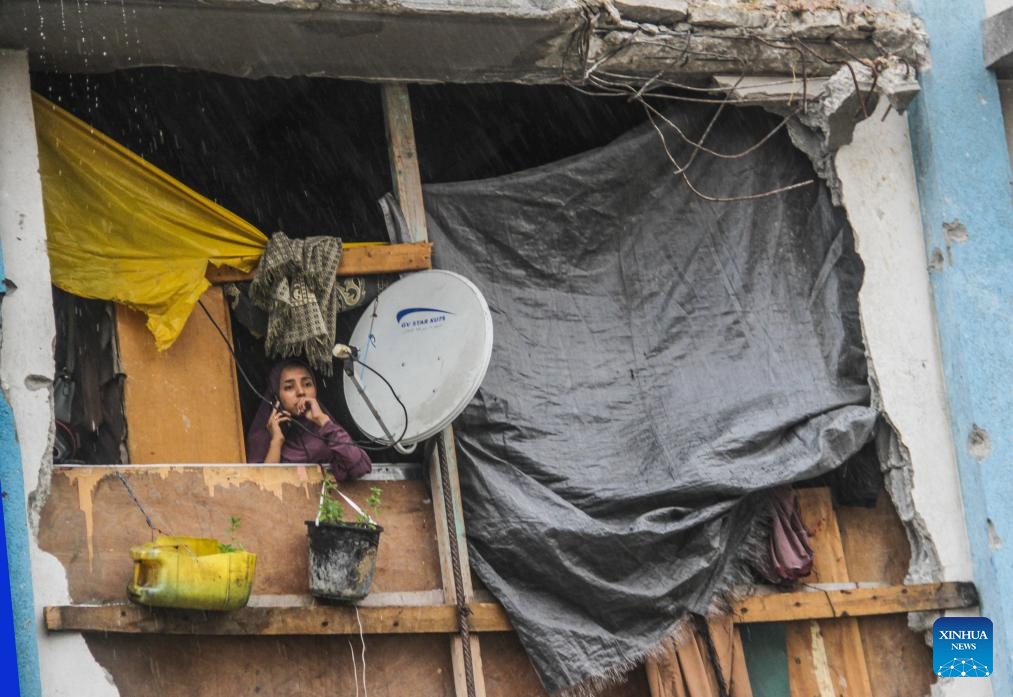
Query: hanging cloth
<point>295,283</point>
<point>121,229</point>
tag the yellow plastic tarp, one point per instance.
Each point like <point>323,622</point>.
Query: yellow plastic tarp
<point>121,229</point>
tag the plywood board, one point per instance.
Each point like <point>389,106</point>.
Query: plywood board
<point>90,523</point>
<point>182,404</point>
<point>174,666</point>
<point>509,673</point>
<point>876,548</point>
<point>875,544</point>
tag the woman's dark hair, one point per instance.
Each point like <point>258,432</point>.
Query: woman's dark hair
<point>284,364</point>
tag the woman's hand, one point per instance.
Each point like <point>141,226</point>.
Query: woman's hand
<point>274,422</point>
<point>309,409</point>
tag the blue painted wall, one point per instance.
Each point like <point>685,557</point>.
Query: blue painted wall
<point>19,651</point>
<point>964,179</point>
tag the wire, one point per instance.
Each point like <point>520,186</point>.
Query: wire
<point>365,446</point>
<point>393,392</point>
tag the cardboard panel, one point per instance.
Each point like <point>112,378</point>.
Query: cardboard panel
<point>182,405</point>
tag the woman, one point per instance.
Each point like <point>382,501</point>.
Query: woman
<point>312,435</point>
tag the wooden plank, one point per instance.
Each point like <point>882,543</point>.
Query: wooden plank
<point>730,655</point>
<point>860,602</point>
<point>404,161</point>
<point>181,404</point>
<point>125,618</point>
<point>407,182</point>
<point>825,658</point>
<point>289,614</point>
<point>446,565</point>
<point>687,669</point>
<point>355,261</point>
<point>876,548</point>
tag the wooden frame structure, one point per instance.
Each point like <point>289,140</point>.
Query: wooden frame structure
<point>266,620</point>
<point>822,631</point>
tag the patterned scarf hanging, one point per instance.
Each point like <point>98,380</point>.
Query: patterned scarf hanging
<point>295,282</point>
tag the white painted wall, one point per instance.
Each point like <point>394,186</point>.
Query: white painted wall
<point>27,369</point>
<point>994,7</point>
<point>881,197</point>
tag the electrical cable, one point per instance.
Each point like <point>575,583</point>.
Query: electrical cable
<point>393,392</point>
<point>364,446</point>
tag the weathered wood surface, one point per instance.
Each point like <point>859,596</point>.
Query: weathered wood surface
<point>89,523</point>
<point>877,549</point>
<point>686,668</point>
<point>825,657</point>
<point>124,618</point>
<point>859,602</point>
<point>404,160</point>
<point>355,261</point>
<point>427,617</point>
<point>446,566</point>
<point>181,404</point>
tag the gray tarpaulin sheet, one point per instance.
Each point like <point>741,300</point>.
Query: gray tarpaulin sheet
<point>660,360</point>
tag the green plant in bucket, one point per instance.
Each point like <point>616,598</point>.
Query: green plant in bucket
<point>332,511</point>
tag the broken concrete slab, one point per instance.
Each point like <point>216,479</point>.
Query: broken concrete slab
<point>667,12</point>
<point>527,41</point>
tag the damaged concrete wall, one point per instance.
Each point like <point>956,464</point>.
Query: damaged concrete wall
<point>481,41</point>
<point>878,186</point>
<point>16,197</point>
<point>878,189</point>
<point>27,371</point>
<point>964,181</point>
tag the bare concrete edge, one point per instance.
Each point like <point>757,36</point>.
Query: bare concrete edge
<point>447,43</point>
<point>997,42</point>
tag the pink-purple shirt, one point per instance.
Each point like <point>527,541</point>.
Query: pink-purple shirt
<point>328,444</point>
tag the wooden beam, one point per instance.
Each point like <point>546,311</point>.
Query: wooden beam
<point>355,261</point>
<point>125,618</point>
<point>269,618</point>
<point>859,602</point>
<point>404,160</point>
<point>404,170</point>
<point>446,566</point>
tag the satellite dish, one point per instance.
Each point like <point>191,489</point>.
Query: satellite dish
<point>430,335</point>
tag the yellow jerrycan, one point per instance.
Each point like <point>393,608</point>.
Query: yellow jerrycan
<point>192,573</point>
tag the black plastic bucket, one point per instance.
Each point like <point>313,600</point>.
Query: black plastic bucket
<point>342,559</point>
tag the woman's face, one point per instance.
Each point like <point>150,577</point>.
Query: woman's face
<point>295,385</point>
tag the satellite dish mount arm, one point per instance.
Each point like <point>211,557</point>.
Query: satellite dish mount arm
<point>350,354</point>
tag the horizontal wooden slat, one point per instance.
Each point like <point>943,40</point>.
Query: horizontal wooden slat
<point>857,602</point>
<point>355,261</point>
<point>124,618</point>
